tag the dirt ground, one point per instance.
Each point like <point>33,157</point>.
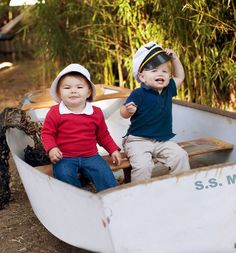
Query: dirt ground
<point>20,230</point>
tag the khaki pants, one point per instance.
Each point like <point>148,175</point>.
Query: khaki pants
<point>142,152</point>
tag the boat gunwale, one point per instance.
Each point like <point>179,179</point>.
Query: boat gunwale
<point>163,177</point>
<point>206,108</point>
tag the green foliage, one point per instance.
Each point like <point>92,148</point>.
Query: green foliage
<point>4,8</point>
<point>103,35</point>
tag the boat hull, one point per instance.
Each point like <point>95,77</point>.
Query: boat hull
<point>192,212</point>
<point>73,215</point>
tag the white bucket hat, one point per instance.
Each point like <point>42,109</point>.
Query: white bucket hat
<point>70,68</point>
<point>145,53</point>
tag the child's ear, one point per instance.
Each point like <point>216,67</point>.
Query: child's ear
<point>89,96</point>
<point>141,78</point>
<point>59,94</point>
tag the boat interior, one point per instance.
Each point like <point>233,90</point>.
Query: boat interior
<point>196,149</point>
<point>203,151</point>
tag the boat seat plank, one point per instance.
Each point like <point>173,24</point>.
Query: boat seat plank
<point>193,148</point>
<point>46,169</point>
<point>124,165</point>
<point>205,145</point>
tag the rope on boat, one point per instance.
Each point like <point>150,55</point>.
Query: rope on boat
<point>35,156</point>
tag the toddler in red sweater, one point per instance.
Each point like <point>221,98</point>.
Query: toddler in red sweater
<point>72,129</point>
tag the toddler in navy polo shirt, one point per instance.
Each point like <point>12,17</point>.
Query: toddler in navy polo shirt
<point>149,108</point>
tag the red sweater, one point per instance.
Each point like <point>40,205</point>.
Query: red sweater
<point>76,134</point>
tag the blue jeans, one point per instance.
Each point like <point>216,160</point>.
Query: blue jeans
<point>94,168</point>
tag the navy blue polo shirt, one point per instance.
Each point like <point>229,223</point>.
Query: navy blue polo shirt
<point>153,118</point>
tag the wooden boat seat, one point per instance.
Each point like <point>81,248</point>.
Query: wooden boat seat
<point>205,145</point>
<point>47,169</point>
<point>193,147</point>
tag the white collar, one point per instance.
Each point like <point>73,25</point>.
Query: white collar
<point>87,110</point>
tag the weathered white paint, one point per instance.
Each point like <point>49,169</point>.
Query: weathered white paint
<point>194,212</point>
<point>170,215</point>
<point>190,123</point>
<point>73,215</point>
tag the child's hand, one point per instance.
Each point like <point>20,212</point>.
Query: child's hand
<point>131,107</point>
<point>55,154</point>
<point>116,157</point>
<point>171,53</point>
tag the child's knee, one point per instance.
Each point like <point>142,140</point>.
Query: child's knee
<point>183,154</point>
<point>141,172</point>
<point>180,162</point>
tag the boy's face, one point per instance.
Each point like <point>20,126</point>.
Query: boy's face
<point>74,90</point>
<point>157,78</point>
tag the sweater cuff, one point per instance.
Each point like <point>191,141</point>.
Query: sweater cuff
<point>113,149</point>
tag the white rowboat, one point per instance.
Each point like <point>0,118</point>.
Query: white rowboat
<point>192,212</point>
